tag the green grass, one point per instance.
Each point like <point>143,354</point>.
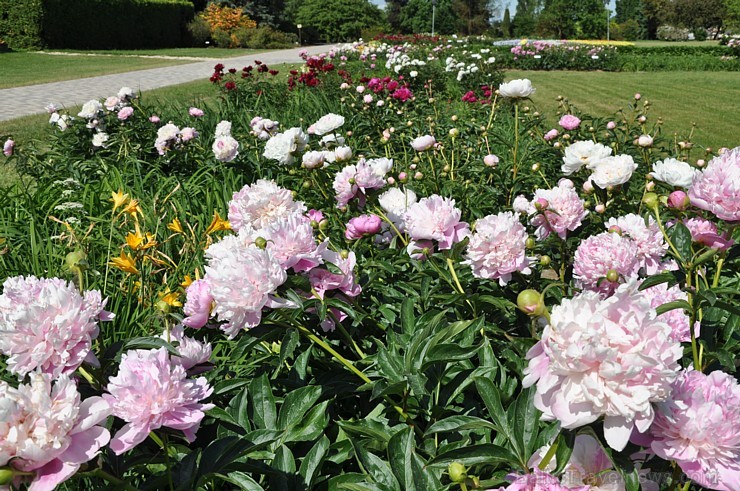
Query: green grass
<point>709,99</point>
<point>28,68</point>
<point>190,52</point>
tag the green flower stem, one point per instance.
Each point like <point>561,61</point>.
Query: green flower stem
<point>665,234</point>
<point>549,455</point>
<point>382,215</point>
<point>119,483</point>
<point>451,267</point>
<point>715,281</point>
<point>344,332</point>
<point>318,185</point>
<point>692,321</point>
<point>490,118</point>
<point>166,449</point>
<point>516,135</point>
<point>434,172</point>
<point>86,375</point>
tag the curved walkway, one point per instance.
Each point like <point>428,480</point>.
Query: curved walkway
<point>31,99</point>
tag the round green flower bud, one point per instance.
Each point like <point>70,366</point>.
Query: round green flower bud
<point>260,242</point>
<point>6,476</point>
<point>530,302</point>
<point>650,200</point>
<point>76,261</point>
<point>458,473</point>
<point>545,260</point>
<point>530,243</point>
<point>344,253</point>
<point>612,275</point>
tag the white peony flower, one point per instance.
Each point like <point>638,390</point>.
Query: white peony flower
<point>517,89</point>
<point>282,146</point>
<point>645,141</point>
<point>126,93</point>
<point>583,153</point>
<point>90,109</point>
<point>225,148</point>
<point>613,171</point>
<point>342,153</point>
<point>223,129</point>
<point>395,203</point>
<point>313,160</point>
<point>327,124</point>
<point>674,172</point>
<point>99,139</point>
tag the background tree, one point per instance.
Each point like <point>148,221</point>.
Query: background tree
<point>339,20</point>
<point>416,16</point>
<point>656,13</point>
<point>473,16</point>
<point>696,14</point>
<point>506,24</point>
<point>393,13</point>
<point>566,19</point>
<point>527,14</point>
<point>732,15</point>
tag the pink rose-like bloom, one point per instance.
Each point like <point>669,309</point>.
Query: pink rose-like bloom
<point>315,215</point>
<point>8,147</point>
<point>291,242</point>
<point>497,248</point>
<point>362,226</point>
<point>260,204</point>
<point>48,430</point>
<point>47,325</point>
<point>678,320</point>
<point>717,188</point>
<point>345,185</point>
<point>423,143</point>
<point>151,391</point>
<point>705,232</point>
<point>564,214</point>
<point>192,352</point>
<point>322,280</point>
<point>125,113</point>
<point>552,134</point>
<point>195,112</point>
<point>111,102</point>
<point>491,160</point>
<point>402,94</point>
<point>435,218</point>
<point>537,481</point>
<point>599,254</point>
<point>187,134</point>
<point>242,279</point>
<point>198,304</point>
<point>608,358</point>
<point>225,148</point>
<point>569,122</point>
<point>699,427</point>
<point>651,246</point>
<point>154,119</point>
<point>611,125</point>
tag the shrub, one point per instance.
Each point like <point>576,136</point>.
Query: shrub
<point>20,23</point>
<point>670,33</point>
<point>199,30</point>
<point>228,20</point>
<point>221,38</point>
<point>700,34</point>
<point>263,37</point>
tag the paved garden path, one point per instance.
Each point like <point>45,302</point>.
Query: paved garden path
<point>31,99</point>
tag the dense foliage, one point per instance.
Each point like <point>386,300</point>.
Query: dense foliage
<point>385,274</point>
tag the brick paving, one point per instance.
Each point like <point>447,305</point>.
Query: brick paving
<point>31,99</point>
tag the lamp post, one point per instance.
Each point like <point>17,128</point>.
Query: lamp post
<point>299,26</point>
<point>608,20</point>
<point>434,5</point>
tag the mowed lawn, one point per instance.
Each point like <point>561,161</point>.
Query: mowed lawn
<point>709,99</point>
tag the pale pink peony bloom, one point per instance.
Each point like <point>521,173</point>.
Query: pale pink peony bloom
<point>551,135</point>
<point>569,122</point>
<point>497,248</point>
<point>48,430</point>
<point>537,481</point>
<point>613,171</point>
<point>611,125</point>
<point>699,427</point>
<point>125,113</point>
<point>678,320</point>
<point>315,215</point>
<point>111,102</point>
<point>435,218</point>
<point>362,226</point>
<point>651,246</point>
<point>564,213</point>
<point>313,160</point>
<point>187,134</point>
<point>261,204</point>
<point>291,242</point>
<point>47,325</point>
<point>192,352</point>
<point>225,148</point>
<point>195,112</point>
<point>717,187</point>
<point>8,147</point>
<point>521,205</point>
<point>154,119</point>
<point>608,358</point>
<point>327,124</point>
<point>491,160</point>
<point>149,392</point>
<point>645,141</point>
<point>705,232</point>
<point>423,143</point>
<point>345,185</point>
<point>242,279</point>
<point>198,304</point>
<point>583,153</point>
<point>599,254</point>
<point>322,280</point>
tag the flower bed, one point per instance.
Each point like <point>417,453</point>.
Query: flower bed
<point>364,279</point>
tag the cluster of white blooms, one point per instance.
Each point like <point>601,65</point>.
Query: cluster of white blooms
<point>398,60</point>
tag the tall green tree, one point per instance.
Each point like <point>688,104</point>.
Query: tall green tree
<point>566,19</point>
<point>527,14</point>
<point>339,20</point>
<point>506,24</point>
<point>656,13</point>
<point>416,16</point>
<point>393,13</point>
<point>627,9</point>
<point>473,16</point>
<point>694,14</point>
<point>732,15</point>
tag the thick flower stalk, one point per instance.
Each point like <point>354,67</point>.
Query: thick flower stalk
<point>609,358</point>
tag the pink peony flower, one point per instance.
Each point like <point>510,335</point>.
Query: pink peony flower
<point>195,112</point>
<point>552,134</point>
<point>323,280</point>
<point>242,279</point>
<point>678,200</point>
<point>698,426</point>
<point>225,148</point>
<point>371,173</point>
<point>651,246</point>
<point>435,218</point>
<point>198,304</point>
<point>611,125</point>
<point>8,147</point>
<point>47,325</point>
<point>261,204</point>
<point>125,113</point>
<point>600,256</point>
<point>423,143</point>
<point>48,430</point>
<point>608,358</point>
<point>569,122</point>
<point>291,242</point>
<point>538,481</point>
<point>345,186</point>
<point>149,392</point>
<point>111,102</point>
<point>705,232</point>
<point>497,248</point>
<point>362,226</point>
<point>192,352</point>
<point>154,119</point>
<point>315,215</point>
<point>187,134</point>
<point>717,187</point>
<point>564,213</point>
<point>678,320</point>
<point>491,160</point>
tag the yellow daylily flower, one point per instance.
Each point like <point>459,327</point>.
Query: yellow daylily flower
<point>217,224</point>
<point>170,298</point>
<point>133,208</point>
<point>187,281</point>
<point>175,226</point>
<point>118,199</point>
<point>125,263</point>
<point>136,241</point>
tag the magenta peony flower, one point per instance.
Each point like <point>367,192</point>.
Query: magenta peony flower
<point>717,187</point>
<point>195,112</point>
<point>8,147</point>
<point>48,430</point>
<point>651,246</point>
<point>538,481</point>
<point>323,280</point>
<point>569,122</point>
<point>564,213</point>
<point>497,248</point>
<point>198,304</point>
<point>698,426</point>
<point>149,392</point>
<point>242,280</point>
<point>678,320</point>
<point>608,358</point>
<point>362,226</point>
<point>705,232</point>
<point>261,204</point>
<point>47,325</point>
<point>600,256</point>
<point>435,218</point>
<point>125,113</point>
<point>423,143</point>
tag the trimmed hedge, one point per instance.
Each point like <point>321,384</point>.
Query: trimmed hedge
<point>99,24</point>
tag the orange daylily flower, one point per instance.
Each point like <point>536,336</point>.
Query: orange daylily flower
<point>125,263</point>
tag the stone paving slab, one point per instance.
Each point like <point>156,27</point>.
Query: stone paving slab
<point>31,99</point>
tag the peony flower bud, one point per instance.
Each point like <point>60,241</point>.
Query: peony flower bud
<point>611,125</point>
<point>491,160</point>
<point>457,471</point>
<point>530,302</point>
<point>678,200</point>
<point>650,200</point>
<point>645,141</point>
<point>600,208</point>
